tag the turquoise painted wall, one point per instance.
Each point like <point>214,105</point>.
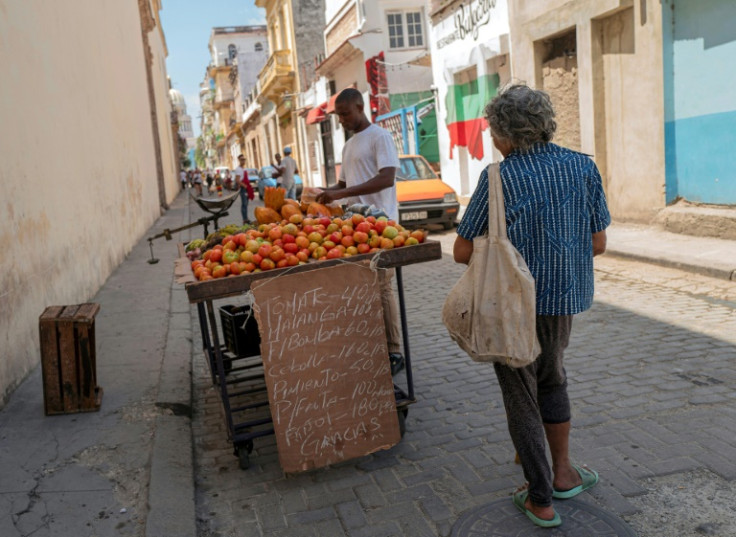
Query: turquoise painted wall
<point>699,47</point>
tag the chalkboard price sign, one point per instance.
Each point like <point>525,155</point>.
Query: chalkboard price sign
<point>323,345</point>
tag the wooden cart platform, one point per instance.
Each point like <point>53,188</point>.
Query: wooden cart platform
<point>241,379</point>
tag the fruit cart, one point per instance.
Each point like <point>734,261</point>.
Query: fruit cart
<point>235,364</point>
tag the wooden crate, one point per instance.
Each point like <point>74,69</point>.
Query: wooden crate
<point>68,359</point>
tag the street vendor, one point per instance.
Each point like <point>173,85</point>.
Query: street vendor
<point>367,176</point>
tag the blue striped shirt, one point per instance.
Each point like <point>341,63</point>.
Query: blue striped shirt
<point>554,203</point>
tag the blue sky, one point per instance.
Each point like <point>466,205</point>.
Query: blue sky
<point>187,25</point>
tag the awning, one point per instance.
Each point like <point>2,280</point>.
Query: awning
<point>331,104</point>
<point>316,114</point>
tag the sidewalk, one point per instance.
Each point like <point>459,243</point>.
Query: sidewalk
<point>651,244</point>
<point>701,255</point>
<point>128,469</point>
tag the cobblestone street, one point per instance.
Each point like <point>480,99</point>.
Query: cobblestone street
<point>652,370</point>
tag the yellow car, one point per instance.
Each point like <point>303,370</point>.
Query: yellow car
<point>423,197</point>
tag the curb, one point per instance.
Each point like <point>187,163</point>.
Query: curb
<point>713,272</point>
<point>171,495</point>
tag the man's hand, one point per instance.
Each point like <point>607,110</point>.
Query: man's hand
<point>324,196</point>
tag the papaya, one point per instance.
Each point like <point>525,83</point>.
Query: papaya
<point>292,202</point>
<point>317,209</point>
<point>288,210</point>
<point>336,210</point>
<point>274,197</point>
<point>266,215</point>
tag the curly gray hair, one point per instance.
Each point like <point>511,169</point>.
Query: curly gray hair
<point>522,116</point>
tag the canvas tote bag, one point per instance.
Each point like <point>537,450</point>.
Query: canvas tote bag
<point>491,311</point>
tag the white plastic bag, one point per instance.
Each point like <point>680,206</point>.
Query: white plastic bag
<point>491,311</point>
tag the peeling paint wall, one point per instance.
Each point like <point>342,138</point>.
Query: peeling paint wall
<point>78,174</point>
<point>615,73</point>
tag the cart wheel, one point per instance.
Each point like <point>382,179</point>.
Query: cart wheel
<point>243,452</point>
<point>402,413</point>
<point>243,459</point>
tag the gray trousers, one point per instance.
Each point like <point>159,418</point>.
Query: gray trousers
<point>535,395</point>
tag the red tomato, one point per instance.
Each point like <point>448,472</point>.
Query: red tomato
<point>219,272</point>
<point>277,254</point>
<point>240,239</point>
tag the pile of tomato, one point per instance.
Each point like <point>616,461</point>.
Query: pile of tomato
<point>290,243</point>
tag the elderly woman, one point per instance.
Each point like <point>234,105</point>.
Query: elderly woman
<point>556,216</point>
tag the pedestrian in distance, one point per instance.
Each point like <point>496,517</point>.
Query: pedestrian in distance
<point>209,180</point>
<point>286,168</point>
<point>367,176</point>
<point>556,217</point>
<point>242,185</point>
<point>183,179</point>
<point>198,182</point>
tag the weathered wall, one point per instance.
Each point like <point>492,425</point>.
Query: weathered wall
<point>78,165</point>
<point>631,153</point>
<point>620,89</point>
<point>458,58</point>
<point>700,45</point>
<point>169,146</point>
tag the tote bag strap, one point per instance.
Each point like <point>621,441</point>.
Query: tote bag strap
<point>496,208</point>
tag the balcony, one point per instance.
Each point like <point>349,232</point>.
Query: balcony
<point>277,76</point>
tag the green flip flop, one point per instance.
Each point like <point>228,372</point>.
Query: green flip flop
<point>519,501</point>
<point>589,477</point>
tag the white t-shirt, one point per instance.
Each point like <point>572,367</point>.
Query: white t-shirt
<point>289,166</point>
<point>367,152</point>
<point>237,175</point>
<point>183,176</point>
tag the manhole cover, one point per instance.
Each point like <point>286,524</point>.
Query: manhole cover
<point>501,518</point>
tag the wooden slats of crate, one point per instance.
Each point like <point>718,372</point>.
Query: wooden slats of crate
<point>68,359</point>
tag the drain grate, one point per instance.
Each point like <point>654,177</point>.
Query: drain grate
<point>501,518</point>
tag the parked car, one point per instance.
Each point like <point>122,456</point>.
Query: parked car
<point>252,176</point>
<point>266,178</point>
<point>423,197</point>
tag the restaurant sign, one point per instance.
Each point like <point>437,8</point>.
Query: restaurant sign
<point>469,18</point>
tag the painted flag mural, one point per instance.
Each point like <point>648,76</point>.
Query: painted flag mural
<point>465,121</point>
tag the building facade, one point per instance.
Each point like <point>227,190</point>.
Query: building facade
<point>236,54</point>
<point>294,39</point>
<point>87,151</point>
<point>380,48</point>
<point>470,62</point>
<point>183,122</point>
<point>699,40</point>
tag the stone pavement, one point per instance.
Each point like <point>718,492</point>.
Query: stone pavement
<point>652,376</point>
<point>126,469</point>
<point>652,373</point>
